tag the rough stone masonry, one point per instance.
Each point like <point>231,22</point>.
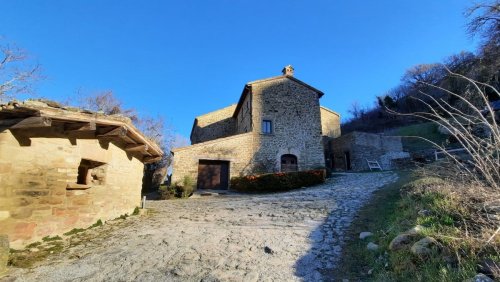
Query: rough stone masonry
<point>297,126</point>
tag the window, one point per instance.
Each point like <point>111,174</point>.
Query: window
<point>267,127</point>
<point>91,173</point>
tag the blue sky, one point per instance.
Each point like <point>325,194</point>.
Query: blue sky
<point>184,58</point>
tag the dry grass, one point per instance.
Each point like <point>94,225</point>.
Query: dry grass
<point>458,214</point>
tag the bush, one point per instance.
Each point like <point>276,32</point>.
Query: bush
<point>136,211</point>
<point>178,190</point>
<point>275,182</point>
<point>166,192</point>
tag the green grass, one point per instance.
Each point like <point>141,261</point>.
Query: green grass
<point>49,239</point>
<point>428,130</point>
<point>136,211</point>
<point>96,224</point>
<point>26,258</point>
<point>388,214</point>
<point>73,231</point>
<point>33,245</point>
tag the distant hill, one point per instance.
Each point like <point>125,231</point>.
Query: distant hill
<point>422,83</point>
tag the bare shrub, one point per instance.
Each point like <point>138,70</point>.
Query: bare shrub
<point>106,102</point>
<point>482,163</point>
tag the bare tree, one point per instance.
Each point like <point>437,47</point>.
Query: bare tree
<point>430,73</point>
<point>155,130</point>
<point>106,102</point>
<point>17,75</point>
<point>356,110</point>
<point>485,21</point>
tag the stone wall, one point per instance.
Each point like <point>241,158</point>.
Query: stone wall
<point>237,149</point>
<point>337,149</point>
<point>297,129</point>
<point>244,117</point>
<point>216,124</point>
<point>330,123</point>
<point>34,176</point>
<point>362,146</point>
<point>295,114</point>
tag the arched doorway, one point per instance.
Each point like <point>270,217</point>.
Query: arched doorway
<point>289,163</point>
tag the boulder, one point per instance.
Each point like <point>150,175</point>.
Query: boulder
<point>364,235</point>
<point>415,230</point>
<point>372,246</point>
<point>4,253</point>
<point>424,246</point>
<point>424,212</point>
<point>490,268</point>
<point>481,278</point>
<point>443,130</point>
<point>400,241</point>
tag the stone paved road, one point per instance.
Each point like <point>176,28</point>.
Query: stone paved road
<point>275,237</point>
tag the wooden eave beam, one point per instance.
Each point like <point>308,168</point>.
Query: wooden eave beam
<point>29,122</point>
<point>133,133</point>
<point>119,131</point>
<point>80,127</point>
<point>136,148</point>
<point>128,140</point>
<point>151,159</point>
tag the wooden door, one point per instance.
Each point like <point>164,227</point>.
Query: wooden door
<point>347,156</point>
<point>213,174</point>
<point>289,163</point>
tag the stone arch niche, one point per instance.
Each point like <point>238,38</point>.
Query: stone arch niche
<point>289,151</point>
<point>289,162</point>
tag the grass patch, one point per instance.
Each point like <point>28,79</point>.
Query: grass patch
<point>97,224</point>
<point>428,130</point>
<point>73,231</point>
<point>136,211</point>
<point>49,239</point>
<point>393,210</point>
<point>33,245</point>
<point>26,258</point>
<point>373,217</point>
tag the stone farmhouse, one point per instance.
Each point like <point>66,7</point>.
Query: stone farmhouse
<point>277,125</point>
<point>62,168</point>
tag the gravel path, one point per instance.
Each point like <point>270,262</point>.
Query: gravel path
<point>287,236</point>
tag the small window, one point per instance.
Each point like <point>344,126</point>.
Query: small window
<point>267,126</point>
<point>91,173</point>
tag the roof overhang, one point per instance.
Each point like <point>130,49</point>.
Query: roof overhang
<point>103,127</point>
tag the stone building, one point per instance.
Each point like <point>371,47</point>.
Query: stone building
<point>277,125</point>
<point>63,168</point>
<point>351,151</point>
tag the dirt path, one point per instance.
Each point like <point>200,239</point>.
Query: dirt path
<point>287,236</point>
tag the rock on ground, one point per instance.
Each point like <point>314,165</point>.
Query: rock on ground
<point>290,236</point>
<point>401,241</point>
<point>364,235</point>
<point>424,246</point>
<point>372,246</point>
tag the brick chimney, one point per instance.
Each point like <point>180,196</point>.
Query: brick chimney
<point>288,70</point>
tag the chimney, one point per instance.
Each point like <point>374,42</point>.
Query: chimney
<point>288,70</point>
